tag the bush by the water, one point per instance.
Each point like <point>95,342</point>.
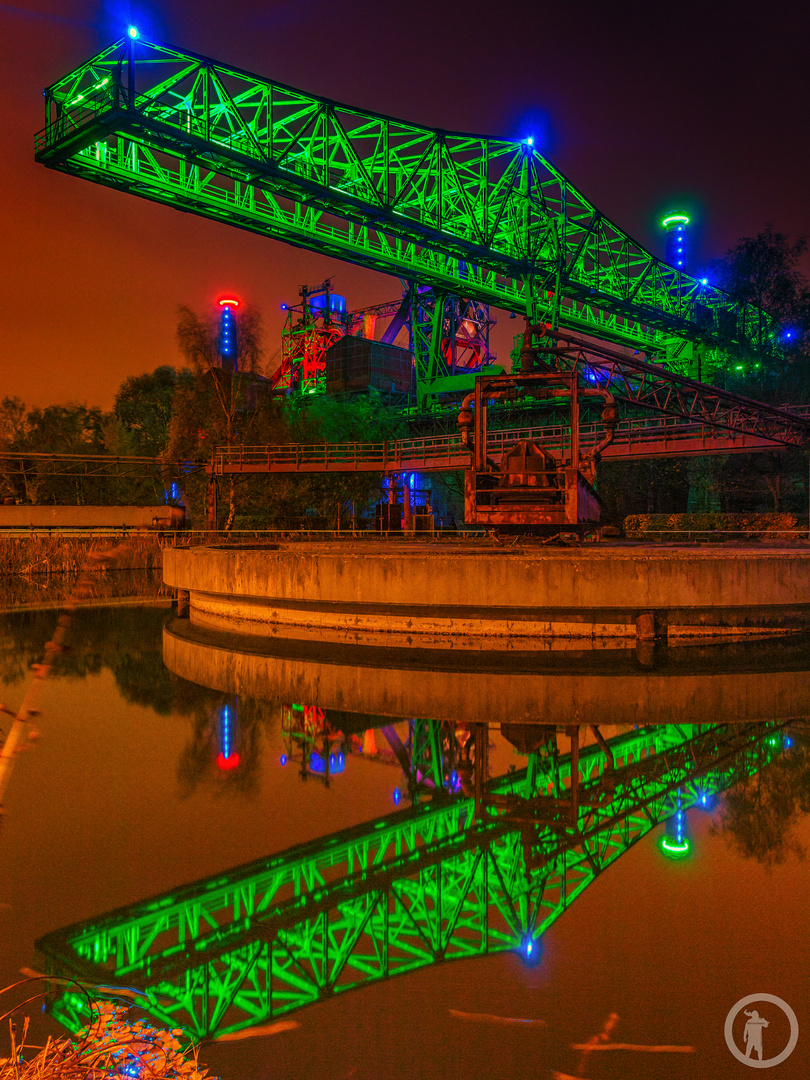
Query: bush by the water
<point>681,526</point>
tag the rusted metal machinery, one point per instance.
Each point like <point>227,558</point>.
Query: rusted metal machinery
<point>530,487</point>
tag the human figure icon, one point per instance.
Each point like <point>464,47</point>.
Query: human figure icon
<point>752,1035</point>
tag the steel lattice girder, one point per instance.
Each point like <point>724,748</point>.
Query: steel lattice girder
<point>437,207</point>
<point>401,893</point>
<point>654,387</point>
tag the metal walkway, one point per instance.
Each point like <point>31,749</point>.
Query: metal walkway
<point>656,436</point>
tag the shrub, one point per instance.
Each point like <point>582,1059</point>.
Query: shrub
<point>681,526</point>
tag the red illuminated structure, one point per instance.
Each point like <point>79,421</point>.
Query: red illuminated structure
<point>446,336</point>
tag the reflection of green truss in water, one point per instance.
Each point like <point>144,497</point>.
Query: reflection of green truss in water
<point>397,894</point>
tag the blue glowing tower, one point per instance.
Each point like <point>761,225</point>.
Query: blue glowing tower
<point>228,342</point>
<point>679,241</point>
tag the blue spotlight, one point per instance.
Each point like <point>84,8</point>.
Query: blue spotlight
<point>133,31</point>
<point>531,951</point>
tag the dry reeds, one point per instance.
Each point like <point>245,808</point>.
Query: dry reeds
<point>37,554</point>
<point>109,1048</point>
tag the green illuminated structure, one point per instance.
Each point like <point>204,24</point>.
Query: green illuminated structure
<point>490,218</point>
<point>423,885</point>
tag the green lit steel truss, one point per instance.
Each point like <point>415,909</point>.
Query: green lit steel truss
<point>462,213</point>
<point>420,886</point>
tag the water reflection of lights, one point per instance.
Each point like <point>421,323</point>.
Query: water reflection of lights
<point>318,762</point>
<point>675,850</point>
<point>227,757</point>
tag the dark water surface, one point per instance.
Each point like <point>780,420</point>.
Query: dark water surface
<point>122,798</point>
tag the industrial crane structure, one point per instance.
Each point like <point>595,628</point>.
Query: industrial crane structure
<point>457,213</point>
<point>464,221</point>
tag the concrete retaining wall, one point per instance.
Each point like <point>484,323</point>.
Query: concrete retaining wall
<point>452,593</point>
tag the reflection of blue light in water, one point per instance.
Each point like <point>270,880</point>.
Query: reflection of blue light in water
<point>226,732</point>
<point>226,759</point>
<point>317,762</point>
<point>454,777</point>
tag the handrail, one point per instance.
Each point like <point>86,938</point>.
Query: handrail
<point>432,448</point>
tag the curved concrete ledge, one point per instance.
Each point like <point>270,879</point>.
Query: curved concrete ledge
<point>447,593</point>
<point>743,682</point>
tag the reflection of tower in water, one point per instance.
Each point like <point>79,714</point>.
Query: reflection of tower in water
<point>227,758</point>
<point>675,843</point>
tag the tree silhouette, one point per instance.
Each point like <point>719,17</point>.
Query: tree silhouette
<point>758,817</point>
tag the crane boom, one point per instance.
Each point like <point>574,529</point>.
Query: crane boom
<point>458,212</point>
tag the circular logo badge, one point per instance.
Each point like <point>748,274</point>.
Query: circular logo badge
<point>754,1034</point>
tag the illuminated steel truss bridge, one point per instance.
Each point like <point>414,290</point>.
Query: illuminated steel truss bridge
<point>488,218</point>
<point>454,878</point>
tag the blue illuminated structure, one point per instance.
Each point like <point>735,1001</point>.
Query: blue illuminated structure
<point>228,343</point>
<point>679,247</point>
<point>320,302</point>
